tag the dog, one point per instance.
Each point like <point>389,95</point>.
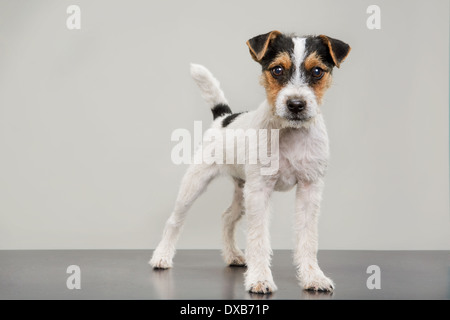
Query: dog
<point>296,72</point>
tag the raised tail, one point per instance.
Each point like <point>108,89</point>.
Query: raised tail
<point>210,90</point>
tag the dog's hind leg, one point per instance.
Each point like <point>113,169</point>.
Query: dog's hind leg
<point>193,184</point>
<point>232,255</point>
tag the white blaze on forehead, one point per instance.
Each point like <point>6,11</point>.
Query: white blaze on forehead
<point>299,50</point>
<point>299,56</point>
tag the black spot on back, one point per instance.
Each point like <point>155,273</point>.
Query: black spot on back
<point>220,109</point>
<point>229,119</point>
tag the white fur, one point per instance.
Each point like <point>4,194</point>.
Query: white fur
<point>299,56</point>
<point>209,86</point>
<point>303,156</point>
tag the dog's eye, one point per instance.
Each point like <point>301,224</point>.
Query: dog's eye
<point>277,71</point>
<point>317,72</point>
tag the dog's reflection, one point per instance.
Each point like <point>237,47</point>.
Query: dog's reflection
<point>316,295</point>
<point>232,278</point>
<point>163,283</point>
<point>232,286</point>
<point>259,296</point>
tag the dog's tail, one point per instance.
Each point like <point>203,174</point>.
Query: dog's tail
<point>210,90</point>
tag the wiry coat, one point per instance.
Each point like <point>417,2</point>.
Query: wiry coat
<point>295,73</point>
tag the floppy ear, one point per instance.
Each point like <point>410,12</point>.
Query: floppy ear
<point>339,50</point>
<point>258,45</point>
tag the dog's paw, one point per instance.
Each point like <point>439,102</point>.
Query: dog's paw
<point>160,262</point>
<point>263,287</point>
<point>237,260</point>
<point>318,282</point>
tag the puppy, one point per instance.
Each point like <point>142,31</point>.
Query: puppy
<point>296,72</point>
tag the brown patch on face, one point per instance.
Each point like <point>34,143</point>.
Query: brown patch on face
<point>320,86</point>
<point>271,84</point>
<point>272,87</point>
<point>282,59</point>
<point>313,60</point>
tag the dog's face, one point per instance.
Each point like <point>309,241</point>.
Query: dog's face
<point>296,72</point>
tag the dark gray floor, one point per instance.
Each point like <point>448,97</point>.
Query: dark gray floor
<point>201,274</point>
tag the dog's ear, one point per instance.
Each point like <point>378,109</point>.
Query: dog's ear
<point>338,49</point>
<point>258,45</point>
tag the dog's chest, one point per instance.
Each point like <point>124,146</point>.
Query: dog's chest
<point>303,156</point>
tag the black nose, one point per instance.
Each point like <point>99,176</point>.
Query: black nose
<point>296,105</point>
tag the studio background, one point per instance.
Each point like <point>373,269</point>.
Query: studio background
<point>86,118</point>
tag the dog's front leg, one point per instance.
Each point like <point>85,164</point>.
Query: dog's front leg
<point>257,191</point>
<point>309,196</point>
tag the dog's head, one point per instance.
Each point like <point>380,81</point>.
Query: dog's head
<point>296,72</point>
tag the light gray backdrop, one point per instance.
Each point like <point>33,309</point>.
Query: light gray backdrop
<point>86,118</point>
